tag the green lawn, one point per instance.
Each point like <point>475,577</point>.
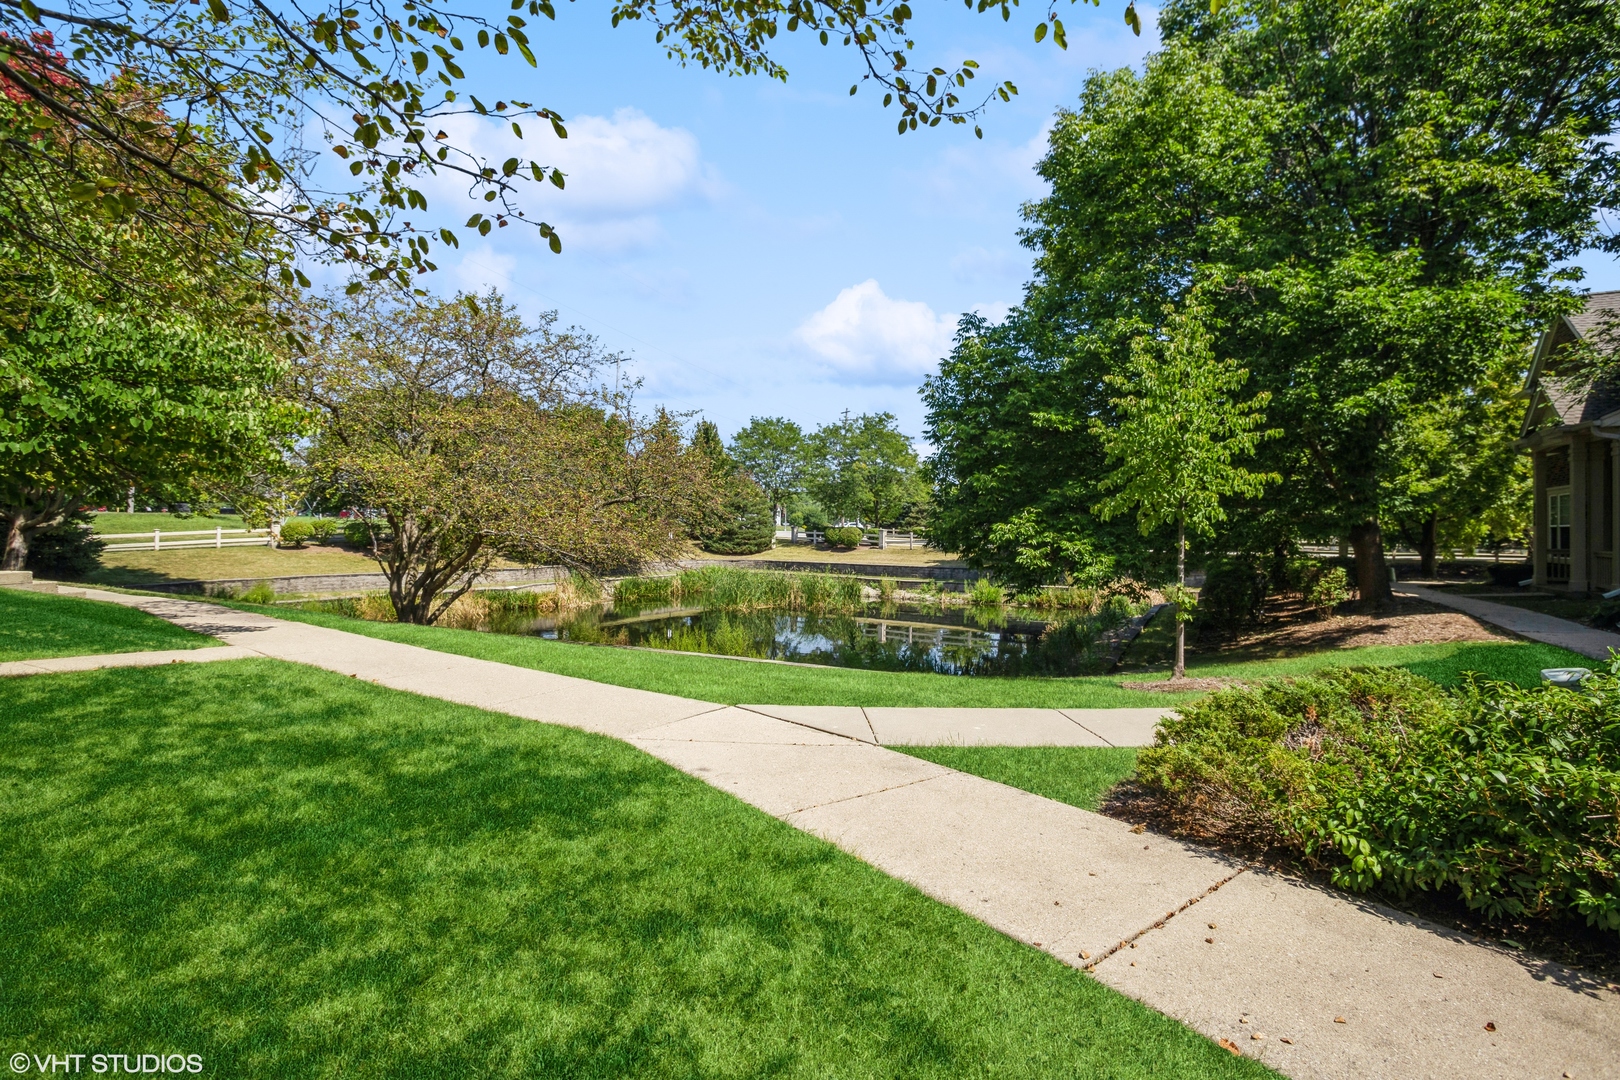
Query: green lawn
<point>115,521</point>
<point>1077,775</point>
<point>293,874</point>
<point>34,625</point>
<point>736,682</point>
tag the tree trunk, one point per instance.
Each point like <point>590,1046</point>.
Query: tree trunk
<point>16,554</point>
<point>26,511</point>
<point>1181,579</point>
<point>1428,555</point>
<point>1372,576</point>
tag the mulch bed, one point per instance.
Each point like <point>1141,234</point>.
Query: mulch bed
<point>1289,626</point>
<point>1181,686</point>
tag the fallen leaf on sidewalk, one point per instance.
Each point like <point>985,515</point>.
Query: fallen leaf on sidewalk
<point>1085,956</point>
<point>1489,1026</point>
<point>1228,1044</point>
<point>1340,1020</point>
<point>1286,1039</point>
<point>1139,829</point>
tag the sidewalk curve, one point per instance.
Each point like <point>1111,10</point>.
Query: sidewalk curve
<point>1331,987</point>
<point>1548,629</point>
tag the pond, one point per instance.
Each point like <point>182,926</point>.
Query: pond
<point>950,641</point>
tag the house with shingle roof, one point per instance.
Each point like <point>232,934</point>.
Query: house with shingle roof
<point>1572,431</point>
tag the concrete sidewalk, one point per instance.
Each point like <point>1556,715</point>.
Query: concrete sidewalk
<point>57,664</point>
<point>975,727</point>
<point>1548,629</point>
<point>1310,982</point>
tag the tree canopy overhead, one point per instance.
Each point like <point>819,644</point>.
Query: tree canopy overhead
<point>218,115</point>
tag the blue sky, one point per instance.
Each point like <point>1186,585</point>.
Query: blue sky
<point>758,248</point>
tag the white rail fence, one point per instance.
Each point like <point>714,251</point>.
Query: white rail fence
<point>877,538</point>
<point>158,540</point>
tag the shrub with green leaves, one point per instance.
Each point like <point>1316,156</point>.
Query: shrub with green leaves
<point>260,592</point>
<point>1233,593</point>
<point>1507,797</point>
<point>295,533</point>
<point>1319,584</point>
<point>357,532</point>
<point>843,537</point>
<point>322,529</point>
<point>986,592</point>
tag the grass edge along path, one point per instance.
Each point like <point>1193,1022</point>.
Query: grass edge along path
<point>1077,775</point>
<point>290,873</point>
<point>36,625</point>
<point>728,681</point>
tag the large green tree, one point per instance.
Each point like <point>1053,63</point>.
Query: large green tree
<point>773,451</point>
<point>1374,196</point>
<point>864,469</point>
<point>465,435</point>
<point>735,518</point>
<point>93,400</point>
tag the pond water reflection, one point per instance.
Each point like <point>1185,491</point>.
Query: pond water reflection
<point>959,641</point>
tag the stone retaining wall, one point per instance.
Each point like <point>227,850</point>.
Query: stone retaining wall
<point>900,573</point>
<point>326,583</point>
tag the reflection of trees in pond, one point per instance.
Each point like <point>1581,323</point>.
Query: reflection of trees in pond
<point>1003,642</point>
<point>1071,647</point>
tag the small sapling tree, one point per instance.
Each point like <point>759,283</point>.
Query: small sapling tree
<point>1178,431</point>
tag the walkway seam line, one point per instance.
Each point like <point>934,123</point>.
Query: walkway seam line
<point>795,723</point>
<point>864,794</point>
<point>1063,713</point>
<point>865,716</point>
<point>1159,923</point>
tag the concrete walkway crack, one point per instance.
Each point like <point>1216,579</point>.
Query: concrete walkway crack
<point>1158,924</point>
<point>795,723</point>
<point>865,794</point>
<point>1082,727</point>
<point>869,727</point>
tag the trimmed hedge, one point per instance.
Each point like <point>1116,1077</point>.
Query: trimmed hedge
<point>1508,797</point>
<point>843,537</point>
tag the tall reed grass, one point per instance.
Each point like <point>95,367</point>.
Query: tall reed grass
<point>474,610</point>
<point>728,588</point>
<point>1062,598</point>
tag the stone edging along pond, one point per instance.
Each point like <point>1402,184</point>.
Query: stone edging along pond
<point>540,575</point>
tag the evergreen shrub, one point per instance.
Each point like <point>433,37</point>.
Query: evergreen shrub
<point>69,550</point>
<point>845,537</point>
<point>1504,796</point>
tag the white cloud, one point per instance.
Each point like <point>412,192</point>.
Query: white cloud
<point>481,268</point>
<point>622,172</point>
<point>868,336</point>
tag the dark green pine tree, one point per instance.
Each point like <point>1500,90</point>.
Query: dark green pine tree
<point>740,521</point>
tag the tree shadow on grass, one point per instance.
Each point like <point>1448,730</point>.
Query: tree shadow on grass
<point>290,873</point>
<point>1520,664</point>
